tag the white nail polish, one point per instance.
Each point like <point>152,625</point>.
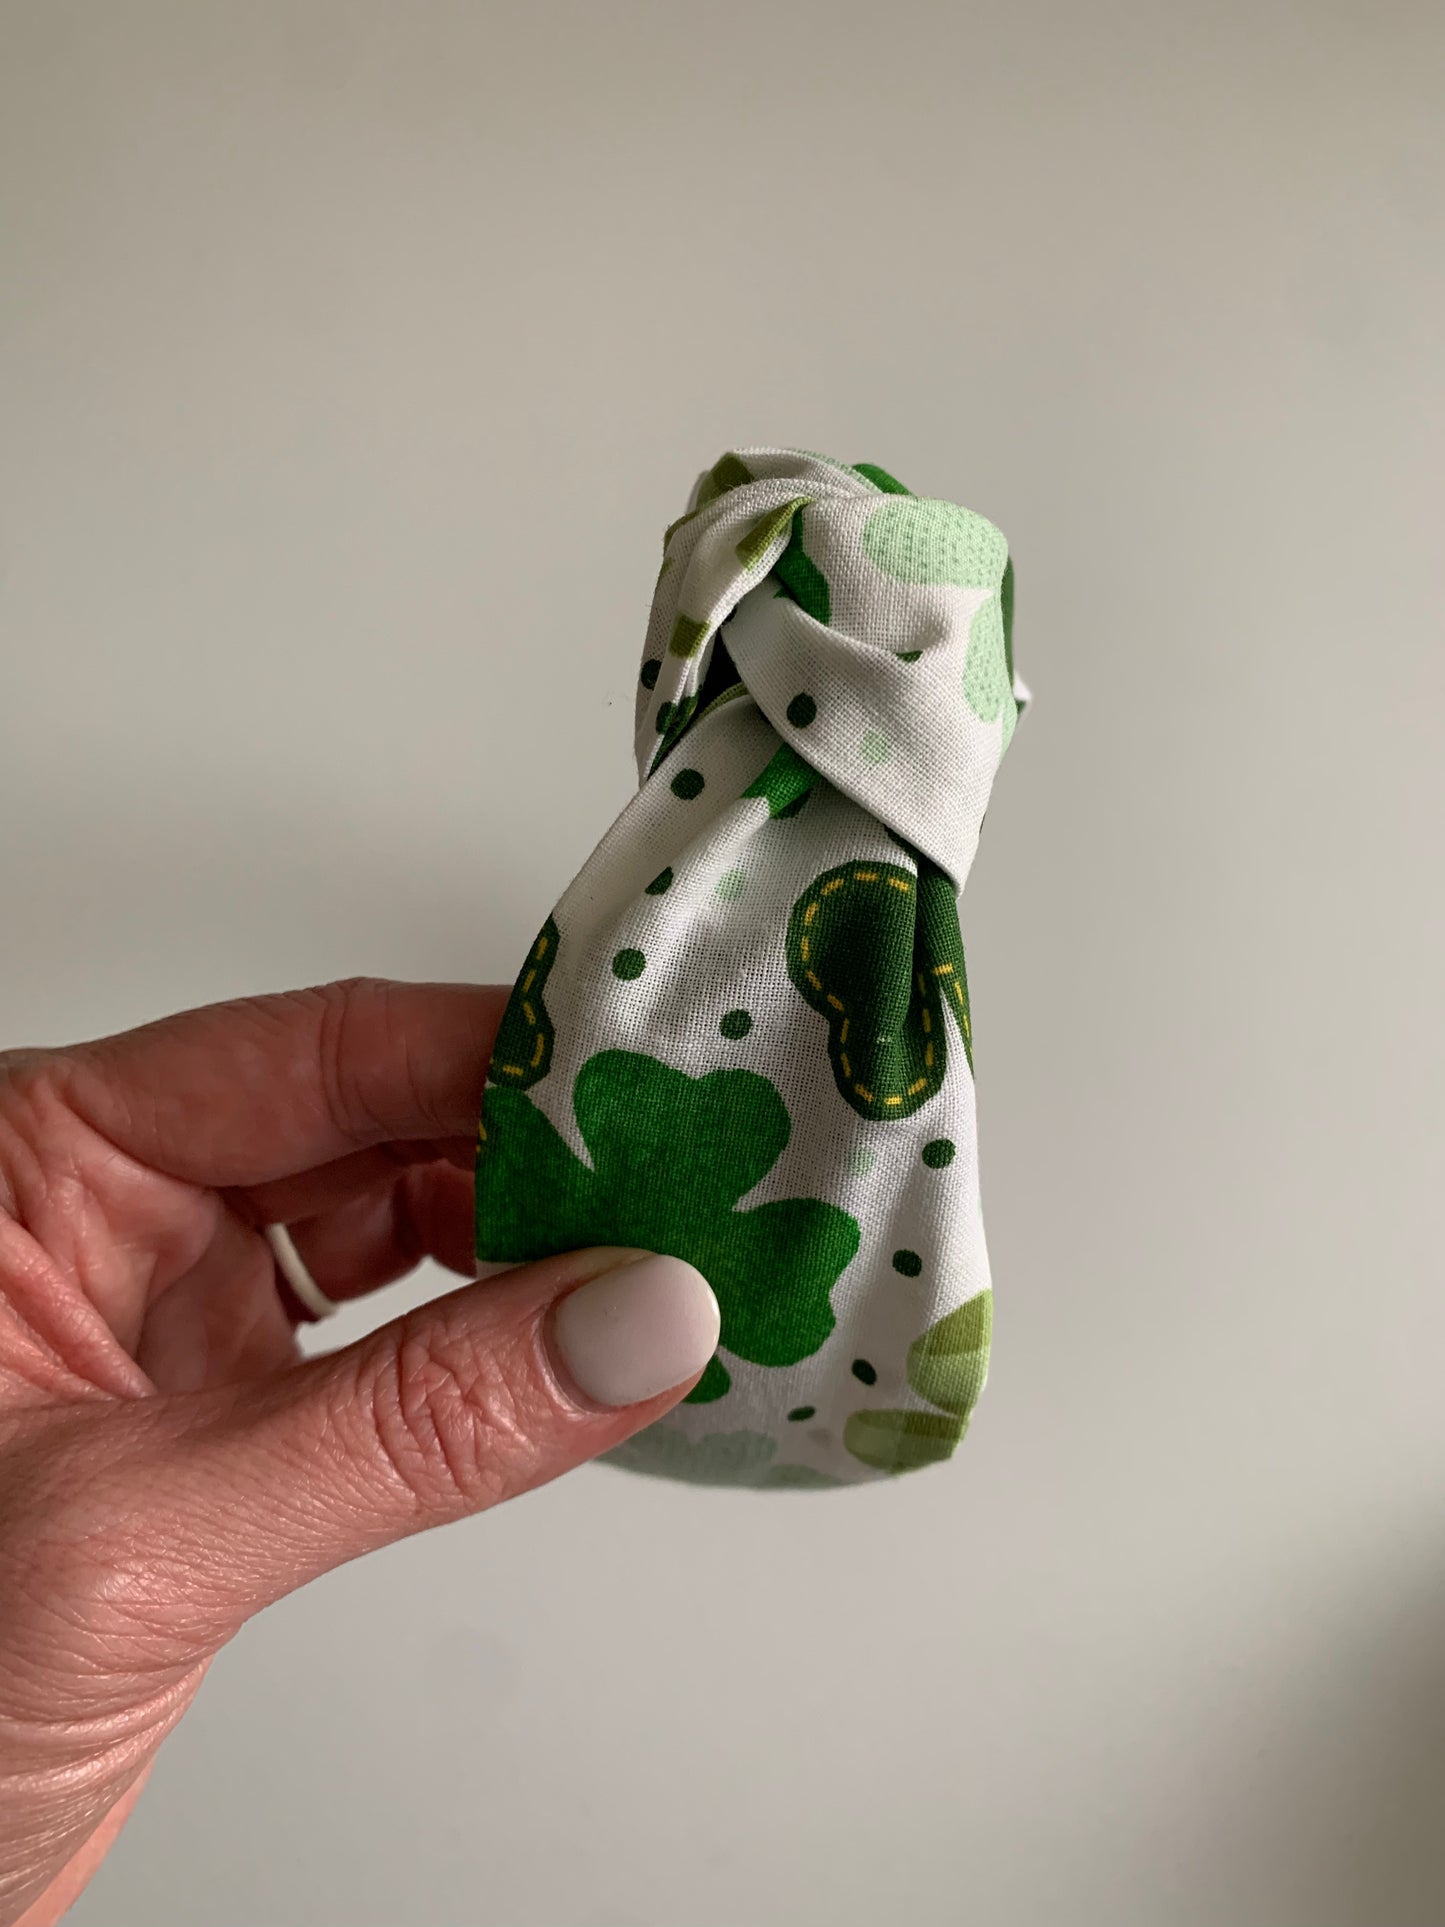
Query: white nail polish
<point>637,1331</point>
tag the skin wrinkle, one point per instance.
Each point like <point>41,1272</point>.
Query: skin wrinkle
<point>141,1524</point>
<point>31,1374</point>
<point>427,1413</point>
<point>38,1286</point>
<point>115,1175</point>
<point>72,1809</point>
<point>76,1742</point>
<point>72,1186</point>
<point>356,1005</point>
<point>337,1012</point>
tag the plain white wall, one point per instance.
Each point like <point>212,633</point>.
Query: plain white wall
<point>354,356</point>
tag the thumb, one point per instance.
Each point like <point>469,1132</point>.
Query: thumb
<point>474,1399</point>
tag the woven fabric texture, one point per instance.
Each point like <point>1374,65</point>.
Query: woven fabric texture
<point>743,1037</point>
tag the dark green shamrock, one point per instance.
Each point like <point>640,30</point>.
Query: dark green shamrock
<point>671,1155</point>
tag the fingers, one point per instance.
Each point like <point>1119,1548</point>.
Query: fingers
<point>223,1320</point>
<point>472,1400</point>
<point>231,1315</point>
<point>245,1093</point>
<point>379,1237</point>
<point>307,1194</point>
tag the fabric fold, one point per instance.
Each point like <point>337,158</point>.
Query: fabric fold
<point>855,617</point>
<point>744,1035</point>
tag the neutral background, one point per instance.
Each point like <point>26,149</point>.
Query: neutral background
<point>354,357</point>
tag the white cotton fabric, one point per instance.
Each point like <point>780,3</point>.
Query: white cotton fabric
<point>907,750</point>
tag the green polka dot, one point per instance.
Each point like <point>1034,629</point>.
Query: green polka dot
<point>737,1023</point>
<point>908,655</point>
<point>663,718</point>
<point>908,1262</point>
<point>874,747</point>
<point>801,710</point>
<point>731,885</point>
<point>986,682</point>
<point>628,964</point>
<point>687,783</point>
<point>864,1372</point>
<point>938,1152</point>
<point>661,883</point>
<point>915,540</point>
<point>801,1412</point>
<point>650,671</point>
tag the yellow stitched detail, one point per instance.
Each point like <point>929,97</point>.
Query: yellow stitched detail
<point>948,970</point>
<point>527,981</point>
<point>512,1070</point>
<point>529,1013</point>
<point>537,1053</point>
<point>541,947</point>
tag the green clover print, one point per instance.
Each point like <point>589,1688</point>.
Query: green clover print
<point>671,1155</point>
<point>947,1366</point>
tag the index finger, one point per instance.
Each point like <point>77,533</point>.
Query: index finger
<point>243,1093</point>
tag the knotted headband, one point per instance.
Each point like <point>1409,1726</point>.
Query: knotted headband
<point>743,1037</point>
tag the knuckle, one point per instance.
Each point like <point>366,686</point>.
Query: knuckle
<point>457,1424</point>
<point>353,1013</point>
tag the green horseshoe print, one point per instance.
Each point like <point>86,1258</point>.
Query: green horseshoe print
<point>523,1051</point>
<point>877,951</point>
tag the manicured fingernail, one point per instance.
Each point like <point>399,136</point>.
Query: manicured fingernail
<point>637,1331</point>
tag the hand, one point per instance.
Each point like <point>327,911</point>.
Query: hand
<point>168,1464</point>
